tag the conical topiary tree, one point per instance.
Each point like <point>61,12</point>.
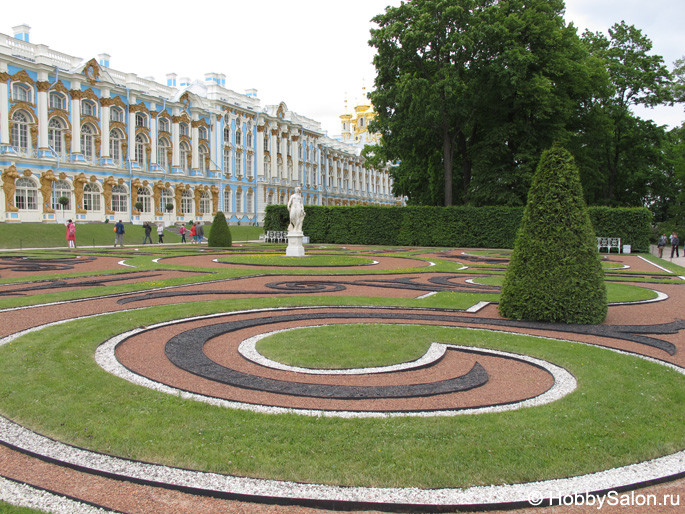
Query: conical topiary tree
<point>555,273</point>
<point>219,233</point>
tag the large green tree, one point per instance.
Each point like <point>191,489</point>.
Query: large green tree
<point>619,154</point>
<point>469,92</point>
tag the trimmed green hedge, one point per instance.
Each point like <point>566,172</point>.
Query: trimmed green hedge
<point>468,227</point>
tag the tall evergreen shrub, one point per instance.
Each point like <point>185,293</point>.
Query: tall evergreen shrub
<point>555,274</point>
<point>219,234</point>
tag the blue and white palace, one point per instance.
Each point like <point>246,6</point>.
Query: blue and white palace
<point>81,140</point>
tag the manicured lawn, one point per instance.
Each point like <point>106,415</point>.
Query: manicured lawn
<point>621,413</point>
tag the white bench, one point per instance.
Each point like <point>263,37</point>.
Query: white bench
<point>609,243</point>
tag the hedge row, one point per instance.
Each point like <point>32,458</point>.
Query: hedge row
<point>469,227</point>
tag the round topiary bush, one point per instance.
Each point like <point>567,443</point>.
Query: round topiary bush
<point>555,273</point>
<point>219,234</point>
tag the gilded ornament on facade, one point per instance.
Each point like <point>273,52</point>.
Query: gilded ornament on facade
<point>92,71</point>
<point>107,185</point>
<point>9,176</point>
<point>46,180</point>
<point>23,76</point>
<point>43,86</point>
<point>79,182</point>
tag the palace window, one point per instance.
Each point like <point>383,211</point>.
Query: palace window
<point>227,200</point>
<point>145,198</point>
<point>141,119</point>
<point>140,154</point>
<point>238,163</point>
<point>248,136</point>
<point>239,200</point>
<point>119,199</point>
<point>163,152</point>
<point>249,166</point>
<point>185,156</point>
<point>116,140</point>
<point>91,197</point>
<point>187,202</point>
<point>238,137</point>
<point>61,188</point>
<point>166,198</point>
<point>266,143</point>
<point>183,129</point>
<point>21,93</point>
<point>202,132</point>
<point>57,101</point>
<point>205,205</point>
<point>20,130</point>
<point>88,141</point>
<point>227,135</point>
<point>204,158</point>
<point>116,114</point>
<point>88,108</point>
<point>162,125</point>
<point>56,135</point>
<point>26,194</point>
<point>249,200</point>
<point>227,161</point>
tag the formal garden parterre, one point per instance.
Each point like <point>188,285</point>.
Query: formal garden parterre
<point>123,371</point>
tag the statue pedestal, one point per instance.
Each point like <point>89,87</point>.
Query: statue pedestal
<point>295,248</point>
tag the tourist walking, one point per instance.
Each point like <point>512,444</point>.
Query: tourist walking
<point>71,234</point>
<point>660,245</point>
<point>183,231</point>
<point>200,231</point>
<point>148,231</point>
<point>160,232</point>
<point>193,235</point>
<point>119,232</point>
<point>674,245</point>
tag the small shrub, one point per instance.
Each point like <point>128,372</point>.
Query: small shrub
<point>220,233</point>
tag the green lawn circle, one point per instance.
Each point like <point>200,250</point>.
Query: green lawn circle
<point>621,413</point>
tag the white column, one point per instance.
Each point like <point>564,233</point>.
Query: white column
<point>131,129</point>
<point>43,86</point>
<point>260,152</point>
<point>76,117</point>
<point>274,154</point>
<point>104,121</point>
<point>4,105</point>
<point>154,138</point>
<point>175,133</point>
<point>194,143</point>
<point>215,143</point>
<point>295,147</point>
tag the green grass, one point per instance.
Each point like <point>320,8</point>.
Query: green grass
<point>52,384</point>
<point>343,346</point>
<point>6,508</point>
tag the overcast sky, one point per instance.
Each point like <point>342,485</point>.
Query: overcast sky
<point>310,54</point>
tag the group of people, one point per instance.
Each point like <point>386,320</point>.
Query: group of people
<point>196,232</point>
<point>673,240</point>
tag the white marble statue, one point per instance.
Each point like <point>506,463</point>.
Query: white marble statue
<point>296,210</point>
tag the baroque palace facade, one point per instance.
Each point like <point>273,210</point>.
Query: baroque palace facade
<point>81,140</point>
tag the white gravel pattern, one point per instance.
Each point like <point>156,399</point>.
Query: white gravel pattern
<point>23,495</point>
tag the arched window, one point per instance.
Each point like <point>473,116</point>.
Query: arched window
<point>26,194</point>
<point>140,155</point>
<point>166,198</point>
<point>141,119</point>
<point>119,199</point>
<point>88,141</point>
<point>227,135</point>
<point>57,101</point>
<point>163,153</point>
<point>21,93</point>
<point>239,200</point>
<point>91,197</point>
<point>88,108</point>
<point>249,200</point>
<point>163,125</point>
<point>270,198</point>
<point>238,137</point>
<point>279,166</point>
<point>249,166</point>
<point>202,132</point>
<point>227,200</point>
<point>267,167</point>
<point>227,162</point>
<point>248,136</point>
<point>185,154</point>
<point>145,198</point>
<point>238,164</point>
<point>116,144</point>
<point>204,158</point>
<point>183,129</point>
<point>61,189</point>
<point>56,135</point>
<point>116,114</point>
<point>266,143</point>
<point>205,205</point>
<point>20,130</point>
<point>187,202</point>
